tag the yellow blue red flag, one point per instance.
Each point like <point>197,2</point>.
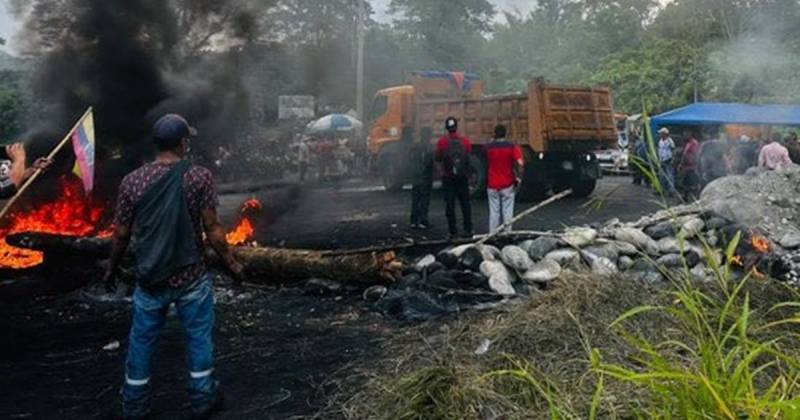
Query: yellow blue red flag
<point>83,146</point>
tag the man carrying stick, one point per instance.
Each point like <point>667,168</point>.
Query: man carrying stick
<point>167,205</point>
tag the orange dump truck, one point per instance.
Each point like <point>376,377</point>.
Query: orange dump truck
<point>558,128</point>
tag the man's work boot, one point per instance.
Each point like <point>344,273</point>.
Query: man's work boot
<point>205,411</point>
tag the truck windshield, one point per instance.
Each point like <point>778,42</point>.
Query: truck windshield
<point>379,106</point>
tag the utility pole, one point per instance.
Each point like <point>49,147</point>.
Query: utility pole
<point>360,60</point>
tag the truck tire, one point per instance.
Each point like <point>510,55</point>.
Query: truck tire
<point>532,191</point>
<point>477,189</point>
<point>583,187</point>
<point>390,175</point>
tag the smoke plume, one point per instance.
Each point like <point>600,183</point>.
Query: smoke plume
<point>133,61</point>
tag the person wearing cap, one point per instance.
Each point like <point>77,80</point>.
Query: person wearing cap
<point>453,152</point>
<point>666,150</point>
<point>166,206</point>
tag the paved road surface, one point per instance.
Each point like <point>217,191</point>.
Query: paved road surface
<point>358,213</point>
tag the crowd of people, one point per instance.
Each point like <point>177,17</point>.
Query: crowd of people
<point>682,170</point>
<point>323,157</point>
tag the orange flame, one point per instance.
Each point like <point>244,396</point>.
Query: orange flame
<point>243,231</point>
<point>71,213</point>
<point>760,243</point>
<point>251,205</point>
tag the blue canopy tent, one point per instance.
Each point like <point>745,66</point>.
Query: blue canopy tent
<point>708,113</point>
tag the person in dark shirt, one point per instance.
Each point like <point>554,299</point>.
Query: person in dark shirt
<point>166,206</point>
<point>18,173</point>
<point>421,163</point>
<point>453,152</point>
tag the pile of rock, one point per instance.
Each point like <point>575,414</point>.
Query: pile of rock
<point>650,249</point>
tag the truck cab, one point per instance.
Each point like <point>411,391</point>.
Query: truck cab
<point>390,111</point>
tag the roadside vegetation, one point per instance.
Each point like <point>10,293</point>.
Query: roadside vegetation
<point>604,348</point>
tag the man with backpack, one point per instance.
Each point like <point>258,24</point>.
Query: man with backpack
<point>453,152</point>
<point>167,207</point>
<point>504,175</point>
<point>422,179</point>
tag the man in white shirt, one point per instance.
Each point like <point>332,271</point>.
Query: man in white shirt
<point>666,149</point>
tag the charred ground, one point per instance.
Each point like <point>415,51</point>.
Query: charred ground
<point>281,353</point>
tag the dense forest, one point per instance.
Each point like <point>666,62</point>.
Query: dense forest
<point>653,54</point>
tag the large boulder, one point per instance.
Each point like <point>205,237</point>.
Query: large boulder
<point>790,240</point>
<point>602,266</point>
<point>424,262</point>
<point>542,245</point>
<point>472,257</point>
<point>691,228</point>
<point>565,257</point>
<point>471,279</point>
<point>670,245</point>
<point>500,278</point>
<point>762,200</point>
<point>623,248</point>
<point>606,251</point>
<point>579,236</point>
<point>637,238</point>
<point>661,230</point>
<point>516,258</point>
<point>542,272</point>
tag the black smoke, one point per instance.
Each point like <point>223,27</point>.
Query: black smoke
<point>133,61</point>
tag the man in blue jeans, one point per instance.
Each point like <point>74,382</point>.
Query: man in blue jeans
<point>166,206</point>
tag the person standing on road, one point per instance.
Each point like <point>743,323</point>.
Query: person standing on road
<point>666,149</point>
<point>166,206</point>
<point>453,151</point>
<point>303,159</point>
<point>504,175</point>
<point>422,179</point>
<point>687,169</point>
<point>773,155</point>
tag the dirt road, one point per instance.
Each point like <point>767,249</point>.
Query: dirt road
<point>280,353</point>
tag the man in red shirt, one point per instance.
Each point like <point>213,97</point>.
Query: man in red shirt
<point>687,169</point>
<point>453,152</point>
<point>504,160</point>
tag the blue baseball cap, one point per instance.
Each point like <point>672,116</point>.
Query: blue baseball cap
<point>172,128</point>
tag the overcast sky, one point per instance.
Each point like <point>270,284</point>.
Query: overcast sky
<point>8,27</point>
<point>502,5</point>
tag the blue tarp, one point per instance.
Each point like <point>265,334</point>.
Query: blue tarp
<point>708,113</point>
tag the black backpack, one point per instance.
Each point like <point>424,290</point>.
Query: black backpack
<point>456,159</point>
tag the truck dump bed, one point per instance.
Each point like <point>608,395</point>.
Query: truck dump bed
<point>547,118</point>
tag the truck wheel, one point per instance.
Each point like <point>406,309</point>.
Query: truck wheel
<point>531,191</point>
<point>390,174</point>
<point>583,188</point>
<point>477,189</point>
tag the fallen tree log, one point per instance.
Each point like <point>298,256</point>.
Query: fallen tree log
<point>263,265</point>
<point>277,266</point>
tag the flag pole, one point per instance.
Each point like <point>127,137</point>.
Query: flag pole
<point>36,173</point>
